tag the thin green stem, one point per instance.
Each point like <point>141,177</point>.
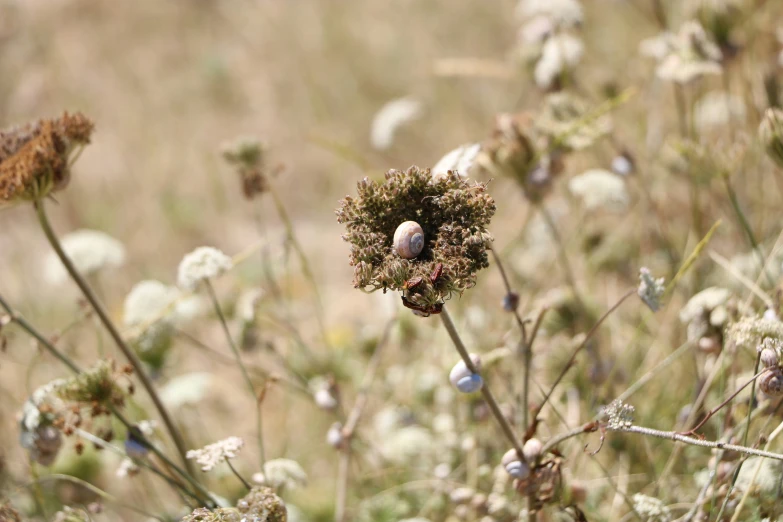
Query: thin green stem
<point>113,332</point>
<point>240,477</point>
<point>242,367</point>
<point>743,221</point>
<point>508,431</point>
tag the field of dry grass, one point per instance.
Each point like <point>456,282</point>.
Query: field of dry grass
<point>687,187</point>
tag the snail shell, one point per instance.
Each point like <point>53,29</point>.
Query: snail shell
<point>514,466</point>
<point>409,239</point>
<point>771,381</point>
<point>463,379</point>
<point>769,357</point>
<point>532,449</point>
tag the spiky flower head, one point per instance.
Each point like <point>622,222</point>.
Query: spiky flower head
<point>202,264</point>
<point>213,454</point>
<point>90,251</point>
<point>35,158</point>
<point>96,387</point>
<point>453,214</point>
<point>771,134</point>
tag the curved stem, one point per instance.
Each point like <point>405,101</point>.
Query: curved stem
<point>508,431</point>
<point>113,332</point>
<point>243,369</point>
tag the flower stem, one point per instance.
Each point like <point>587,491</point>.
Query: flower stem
<point>508,431</point>
<point>113,332</point>
<point>240,477</point>
<point>242,367</point>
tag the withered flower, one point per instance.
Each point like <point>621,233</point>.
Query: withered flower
<point>453,215</point>
<point>247,155</point>
<point>35,159</point>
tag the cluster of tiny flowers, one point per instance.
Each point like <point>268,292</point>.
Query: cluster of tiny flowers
<point>685,56</point>
<point>213,454</point>
<point>261,504</point>
<point>200,265</point>
<point>751,332</point>
<point>282,474</point>
<point>453,215</point>
<point>651,509</point>
<point>599,188</point>
<point>89,250</point>
<point>620,415</point>
<point>650,289</point>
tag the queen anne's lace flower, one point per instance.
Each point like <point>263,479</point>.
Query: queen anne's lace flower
<point>685,56</point>
<point>283,474</point>
<point>599,188</point>
<point>89,250</point>
<point>202,264</point>
<point>213,454</point>
<point>390,118</point>
<point>651,509</point>
<point>559,54</point>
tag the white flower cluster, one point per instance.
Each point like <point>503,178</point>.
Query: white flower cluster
<point>89,250</point>
<point>651,509</point>
<point>391,117</point>
<point>282,474</point>
<point>213,454</point>
<point>685,56</point>
<point>598,188</point>
<point>620,415</point>
<point>202,264</point>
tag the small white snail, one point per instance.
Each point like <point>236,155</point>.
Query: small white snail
<point>463,379</point>
<point>334,437</point>
<point>514,466</point>
<point>771,381</point>
<point>769,357</point>
<point>409,239</point>
<point>532,449</point>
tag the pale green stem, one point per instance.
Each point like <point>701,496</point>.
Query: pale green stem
<point>113,332</point>
<point>242,368</point>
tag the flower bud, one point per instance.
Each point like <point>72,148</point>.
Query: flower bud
<point>771,134</point>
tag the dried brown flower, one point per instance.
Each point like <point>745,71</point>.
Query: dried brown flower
<point>247,155</point>
<point>454,215</point>
<point>35,158</point>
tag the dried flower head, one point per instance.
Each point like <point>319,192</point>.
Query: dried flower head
<point>96,387</point>
<point>651,509</point>
<point>771,134</point>
<point>38,433</point>
<point>650,289</point>
<point>391,117</point>
<point>247,155</point>
<point>689,55</point>
<point>202,264</point>
<point>619,415</point>
<point>213,454</point>
<point>453,215</point>
<point>517,151</point>
<point>35,158</point>
<point>598,188</point>
<point>263,505</point>
<point>90,251</point>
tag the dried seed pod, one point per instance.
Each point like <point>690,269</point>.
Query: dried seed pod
<point>409,239</point>
<point>769,357</point>
<point>463,379</point>
<point>771,381</point>
<point>514,466</point>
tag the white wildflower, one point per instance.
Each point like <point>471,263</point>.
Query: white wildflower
<point>187,389</point>
<point>651,509</point>
<point>202,264</point>
<point>459,160</point>
<point>564,12</point>
<point>127,468</point>
<point>213,454</point>
<point>706,302</point>
<point>650,289</point>
<point>620,415</point>
<point>89,250</point>
<point>760,474</point>
<point>407,444</point>
<point>148,307</point>
<point>692,55</point>
<point>716,109</point>
<point>599,188</point>
<point>282,474</point>
<point>391,117</point>
<point>559,54</point>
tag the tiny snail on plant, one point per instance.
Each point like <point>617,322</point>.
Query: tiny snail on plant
<point>514,466</point>
<point>409,240</point>
<point>771,381</point>
<point>769,357</point>
<point>463,379</point>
